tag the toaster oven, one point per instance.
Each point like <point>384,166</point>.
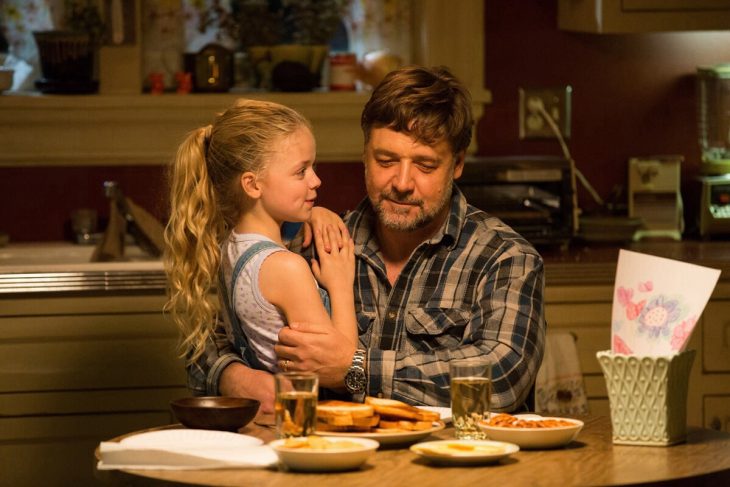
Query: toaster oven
<point>531,194</point>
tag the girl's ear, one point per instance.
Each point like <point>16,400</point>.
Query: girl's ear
<point>250,186</point>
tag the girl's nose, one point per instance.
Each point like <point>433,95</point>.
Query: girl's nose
<point>314,181</point>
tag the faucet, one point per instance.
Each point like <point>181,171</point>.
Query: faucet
<point>115,195</point>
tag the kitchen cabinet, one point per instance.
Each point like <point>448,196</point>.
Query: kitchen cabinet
<point>75,370</point>
<point>633,16</point>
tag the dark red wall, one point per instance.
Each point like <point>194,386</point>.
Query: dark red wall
<point>633,95</point>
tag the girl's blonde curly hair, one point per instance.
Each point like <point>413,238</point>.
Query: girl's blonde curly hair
<point>206,201</point>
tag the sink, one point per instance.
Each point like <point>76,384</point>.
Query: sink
<point>69,257</point>
<point>62,267</point>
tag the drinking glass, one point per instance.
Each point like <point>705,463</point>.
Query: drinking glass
<point>471,388</point>
<point>83,224</point>
<point>295,405</point>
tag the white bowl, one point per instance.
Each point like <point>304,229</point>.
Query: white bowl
<point>6,78</point>
<point>329,460</point>
<point>535,437</point>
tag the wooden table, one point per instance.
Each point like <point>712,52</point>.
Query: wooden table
<point>590,460</point>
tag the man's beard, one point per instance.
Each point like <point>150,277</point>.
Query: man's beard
<point>397,219</point>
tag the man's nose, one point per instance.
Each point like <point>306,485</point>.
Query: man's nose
<point>403,181</point>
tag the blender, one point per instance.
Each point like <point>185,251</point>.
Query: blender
<point>713,84</point>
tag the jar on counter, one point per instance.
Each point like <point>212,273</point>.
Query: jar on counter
<point>343,71</point>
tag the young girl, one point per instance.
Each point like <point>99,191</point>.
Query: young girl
<point>233,184</point>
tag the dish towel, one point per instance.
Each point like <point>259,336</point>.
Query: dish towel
<point>559,385</point>
<point>184,450</point>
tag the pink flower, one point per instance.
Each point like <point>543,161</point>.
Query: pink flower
<point>681,333</point>
<point>619,346</point>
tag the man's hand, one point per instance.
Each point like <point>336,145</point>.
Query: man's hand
<point>316,348</point>
<point>237,380</point>
<point>321,218</point>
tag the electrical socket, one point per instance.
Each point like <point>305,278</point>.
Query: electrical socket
<point>557,104</point>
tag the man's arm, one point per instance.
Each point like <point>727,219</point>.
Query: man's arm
<point>222,371</point>
<point>204,374</point>
<point>507,325</point>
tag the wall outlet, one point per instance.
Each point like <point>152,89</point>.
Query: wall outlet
<point>556,102</point>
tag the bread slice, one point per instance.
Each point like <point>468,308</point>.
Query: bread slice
<point>341,408</point>
<point>350,416</point>
<point>392,409</point>
<point>404,425</point>
<point>336,423</point>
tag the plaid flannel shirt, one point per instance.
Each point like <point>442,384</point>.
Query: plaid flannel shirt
<point>475,289</point>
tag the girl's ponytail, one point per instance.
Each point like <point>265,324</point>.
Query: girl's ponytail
<point>193,236</point>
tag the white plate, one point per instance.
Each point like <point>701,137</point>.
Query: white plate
<point>396,438</point>
<point>196,438</point>
<point>445,413</point>
<point>464,452</point>
<point>305,459</point>
<point>535,437</point>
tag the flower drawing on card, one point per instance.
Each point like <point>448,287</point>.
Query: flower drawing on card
<point>657,318</point>
<point>681,333</point>
<point>633,310</point>
<point>619,346</point>
<point>657,303</point>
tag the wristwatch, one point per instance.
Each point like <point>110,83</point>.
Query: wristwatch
<point>356,379</point>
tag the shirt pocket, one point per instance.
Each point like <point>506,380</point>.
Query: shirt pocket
<point>365,322</point>
<point>437,327</point>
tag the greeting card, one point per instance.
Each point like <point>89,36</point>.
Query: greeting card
<point>656,303</point>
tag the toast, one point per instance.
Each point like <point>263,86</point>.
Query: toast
<point>345,416</point>
<point>344,409</point>
<point>402,425</point>
<point>391,409</point>
<point>375,416</point>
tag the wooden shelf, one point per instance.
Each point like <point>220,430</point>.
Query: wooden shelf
<point>112,130</point>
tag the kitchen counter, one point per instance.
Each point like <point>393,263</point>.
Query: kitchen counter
<point>596,263</point>
<point>65,267</point>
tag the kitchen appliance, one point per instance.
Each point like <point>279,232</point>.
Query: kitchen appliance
<point>655,197</point>
<point>715,205</point>
<point>532,194</point>
<point>713,87</point>
<point>713,114</point>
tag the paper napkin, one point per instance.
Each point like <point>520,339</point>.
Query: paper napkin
<point>656,303</point>
<point>181,449</point>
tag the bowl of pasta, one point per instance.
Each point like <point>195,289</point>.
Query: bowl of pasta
<point>531,431</point>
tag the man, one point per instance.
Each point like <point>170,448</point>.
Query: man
<point>436,279</point>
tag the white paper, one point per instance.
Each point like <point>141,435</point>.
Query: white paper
<point>657,303</point>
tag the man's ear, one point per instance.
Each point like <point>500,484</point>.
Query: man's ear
<point>250,185</point>
<point>459,164</point>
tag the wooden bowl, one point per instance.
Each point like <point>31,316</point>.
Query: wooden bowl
<point>215,412</point>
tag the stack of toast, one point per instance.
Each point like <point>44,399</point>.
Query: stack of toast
<point>376,415</point>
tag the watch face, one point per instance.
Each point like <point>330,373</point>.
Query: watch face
<point>355,380</point>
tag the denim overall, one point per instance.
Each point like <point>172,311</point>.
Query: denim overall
<point>240,340</point>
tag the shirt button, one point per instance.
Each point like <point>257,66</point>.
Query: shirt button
<point>391,315</point>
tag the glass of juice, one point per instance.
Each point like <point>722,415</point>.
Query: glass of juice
<point>471,388</point>
<point>295,405</point>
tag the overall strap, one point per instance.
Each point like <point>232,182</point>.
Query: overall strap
<point>241,342</point>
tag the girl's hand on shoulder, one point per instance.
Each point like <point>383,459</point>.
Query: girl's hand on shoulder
<point>321,219</point>
<point>334,268</point>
